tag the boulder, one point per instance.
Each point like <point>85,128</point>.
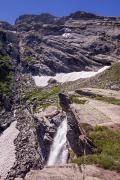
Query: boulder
<point>52,81</point>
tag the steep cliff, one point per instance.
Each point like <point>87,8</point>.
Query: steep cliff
<point>81,41</point>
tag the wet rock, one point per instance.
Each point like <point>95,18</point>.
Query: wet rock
<point>56,120</point>
<point>76,136</point>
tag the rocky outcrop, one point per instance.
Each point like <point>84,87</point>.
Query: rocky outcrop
<point>61,173</point>
<point>36,134</point>
<point>48,121</point>
<point>76,136</point>
<point>81,41</point>
<point>28,152</point>
<point>100,109</point>
<point>72,172</point>
<point>6,26</point>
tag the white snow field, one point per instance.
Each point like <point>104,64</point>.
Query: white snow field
<point>7,149</point>
<point>42,81</point>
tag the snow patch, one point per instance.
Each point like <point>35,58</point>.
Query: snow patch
<point>42,81</point>
<point>7,149</point>
<point>66,35</point>
<point>13,31</point>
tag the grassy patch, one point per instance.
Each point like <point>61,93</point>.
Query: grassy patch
<point>112,74</point>
<point>42,97</point>
<point>5,88</point>
<point>107,99</point>
<point>110,100</point>
<point>107,152</point>
<point>77,100</point>
<point>29,59</point>
<point>5,74</point>
<point>41,94</point>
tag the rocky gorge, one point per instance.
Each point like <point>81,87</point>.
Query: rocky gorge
<point>44,45</point>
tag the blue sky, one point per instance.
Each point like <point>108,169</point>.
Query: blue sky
<point>11,9</point>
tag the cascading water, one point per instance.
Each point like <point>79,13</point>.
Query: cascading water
<point>59,152</point>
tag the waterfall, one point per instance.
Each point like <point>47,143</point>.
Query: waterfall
<point>59,152</point>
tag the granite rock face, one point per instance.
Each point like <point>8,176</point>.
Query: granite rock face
<point>81,41</point>
<point>72,172</point>
<point>78,141</point>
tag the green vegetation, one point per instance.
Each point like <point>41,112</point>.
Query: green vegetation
<point>40,95</point>
<point>28,59</point>
<point>107,99</point>
<point>109,79</point>
<point>80,99</point>
<point>107,152</point>
<point>112,74</point>
<point>110,100</point>
<point>43,97</point>
<point>5,74</point>
<point>77,100</point>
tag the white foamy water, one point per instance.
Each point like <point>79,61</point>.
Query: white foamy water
<point>42,81</point>
<point>7,149</point>
<point>59,152</point>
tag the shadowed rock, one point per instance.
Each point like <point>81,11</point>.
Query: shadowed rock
<point>76,136</point>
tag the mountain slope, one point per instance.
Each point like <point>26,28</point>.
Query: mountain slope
<point>81,41</point>
<point>109,79</point>
<point>46,45</point>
